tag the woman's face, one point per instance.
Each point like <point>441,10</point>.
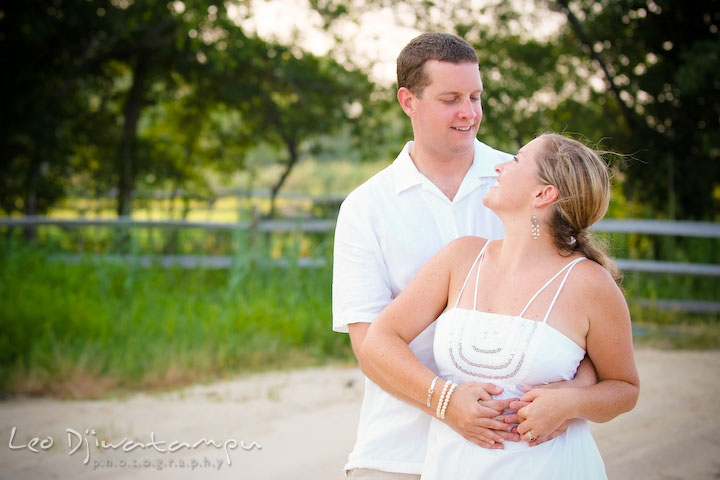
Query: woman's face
<point>517,183</point>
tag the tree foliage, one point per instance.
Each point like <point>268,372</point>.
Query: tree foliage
<point>101,95</point>
<point>113,94</point>
<point>663,73</point>
<point>643,76</point>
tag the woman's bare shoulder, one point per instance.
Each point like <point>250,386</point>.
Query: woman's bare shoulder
<point>460,253</point>
<point>593,274</point>
<point>596,286</point>
<point>466,243</point>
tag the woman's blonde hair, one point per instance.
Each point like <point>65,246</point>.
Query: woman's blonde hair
<point>583,182</point>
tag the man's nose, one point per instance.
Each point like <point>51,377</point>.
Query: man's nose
<point>467,109</point>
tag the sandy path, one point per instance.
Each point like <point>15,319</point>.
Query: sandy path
<point>305,423</point>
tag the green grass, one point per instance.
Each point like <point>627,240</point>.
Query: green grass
<point>657,247</point>
<point>88,328</point>
<point>672,329</point>
<point>98,327</point>
<point>687,334</point>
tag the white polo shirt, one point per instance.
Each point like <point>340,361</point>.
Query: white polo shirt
<point>386,230</point>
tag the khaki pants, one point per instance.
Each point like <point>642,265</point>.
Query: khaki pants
<point>369,474</point>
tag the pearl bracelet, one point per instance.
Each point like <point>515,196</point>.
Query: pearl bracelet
<point>431,390</point>
<point>440,400</point>
<point>446,401</point>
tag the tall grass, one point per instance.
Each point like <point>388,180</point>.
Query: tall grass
<point>98,326</point>
<point>84,328</point>
<point>672,329</point>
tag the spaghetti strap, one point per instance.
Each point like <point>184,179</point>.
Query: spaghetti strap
<point>482,251</point>
<point>566,267</point>
<point>569,267</point>
<point>477,275</point>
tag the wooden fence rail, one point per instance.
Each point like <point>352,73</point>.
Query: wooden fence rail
<point>659,227</point>
<point>272,226</point>
<point>650,227</point>
<point>313,225</point>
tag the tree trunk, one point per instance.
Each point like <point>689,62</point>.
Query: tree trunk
<point>628,114</point>
<point>31,189</point>
<point>293,157</point>
<point>127,150</point>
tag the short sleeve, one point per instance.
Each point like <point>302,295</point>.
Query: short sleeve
<point>360,287</point>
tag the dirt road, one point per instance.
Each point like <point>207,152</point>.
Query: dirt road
<point>301,425</point>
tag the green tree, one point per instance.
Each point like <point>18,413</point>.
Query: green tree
<point>77,76</point>
<point>642,75</point>
<point>162,89</point>
<point>43,50</point>
<point>661,65</point>
<point>303,97</point>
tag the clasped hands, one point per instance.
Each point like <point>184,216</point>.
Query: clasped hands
<point>488,422</point>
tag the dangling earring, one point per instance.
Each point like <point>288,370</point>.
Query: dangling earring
<point>534,226</point>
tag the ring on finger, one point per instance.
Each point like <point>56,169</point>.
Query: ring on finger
<point>531,435</point>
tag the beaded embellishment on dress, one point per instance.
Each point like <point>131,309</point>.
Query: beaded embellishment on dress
<point>497,363</point>
<point>494,346</point>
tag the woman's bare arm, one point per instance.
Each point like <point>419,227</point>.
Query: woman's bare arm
<point>387,341</point>
<point>609,346</point>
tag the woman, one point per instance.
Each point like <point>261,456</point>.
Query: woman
<point>520,312</point>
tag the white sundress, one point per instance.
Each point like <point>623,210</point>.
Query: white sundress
<point>511,352</point>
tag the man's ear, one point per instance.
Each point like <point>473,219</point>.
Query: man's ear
<point>406,99</point>
<point>547,195</point>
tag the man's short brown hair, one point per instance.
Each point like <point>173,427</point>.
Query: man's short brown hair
<point>430,46</point>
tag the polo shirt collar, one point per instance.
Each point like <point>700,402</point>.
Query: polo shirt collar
<point>406,175</point>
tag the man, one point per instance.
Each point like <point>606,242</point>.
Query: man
<point>392,224</point>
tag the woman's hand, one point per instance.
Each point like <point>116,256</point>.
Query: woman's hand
<point>546,413</point>
<point>474,414</point>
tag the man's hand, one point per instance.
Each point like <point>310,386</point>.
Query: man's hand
<point>517,405</point>
<point>547,412</point>
<point>474,414</point>
<point>584,377</point>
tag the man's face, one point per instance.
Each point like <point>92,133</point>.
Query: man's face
<point>447,116</point>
